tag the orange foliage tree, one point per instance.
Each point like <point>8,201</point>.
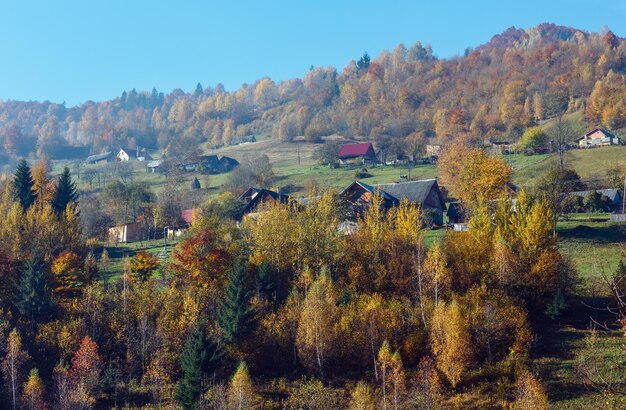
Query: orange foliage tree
<point>142,266</point>
<point>202,259</point>
<point>67,269</point>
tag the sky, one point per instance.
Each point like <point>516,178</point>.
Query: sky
<point>73,51</point>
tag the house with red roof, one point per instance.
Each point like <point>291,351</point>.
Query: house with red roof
<point>186,219</point>
<point>362,152</point>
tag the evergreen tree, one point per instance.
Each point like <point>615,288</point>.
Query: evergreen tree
<point>363,63</point>
<point>235,313</point>
<point>200,357</point>
<point>199,89</point>
<point>23,183</point>
<point>32,299</point>
<point>65,192</point>
<point>265,283</point>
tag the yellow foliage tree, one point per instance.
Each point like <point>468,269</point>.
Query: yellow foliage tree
<point>472,175</point>
<point>450,341</point>
<point>33,393</point>
<point>362,397</point>
<point>68,275</point>
<point>530,394</point>
<point>241,394</point>
<point>142,266</point>
<point>316,328</point>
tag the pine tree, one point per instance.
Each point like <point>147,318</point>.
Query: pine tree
<point>235,312</point>
<point>364,62</point>
<point>65,192</point>
<point>32,299</point>
<point>200,356</point>
<point>265,284</point>
<point>198,90</point>
<point>23,183</point>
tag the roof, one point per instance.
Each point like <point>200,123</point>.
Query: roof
<point>187,216</point>
<point>260,194</point>
<point>355,150</point>
<point>98,157</point>
<point>613,194</point>
<point>208,158</point>
<point>372,189</point>
<point>455,210</point>
<point>229,161</point>
<point>602,131</point>
<point>155,164</point>
<point>414,191</point>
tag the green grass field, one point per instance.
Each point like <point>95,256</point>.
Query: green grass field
<point>595,249</point>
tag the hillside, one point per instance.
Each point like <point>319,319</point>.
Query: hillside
<point>399,99</point>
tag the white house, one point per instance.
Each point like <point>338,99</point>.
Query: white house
<point>597,138</point>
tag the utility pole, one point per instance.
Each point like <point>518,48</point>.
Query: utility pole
<point>624,197</point>
<point>298,147</point>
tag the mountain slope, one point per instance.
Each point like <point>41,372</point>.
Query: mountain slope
<point>397,99</point>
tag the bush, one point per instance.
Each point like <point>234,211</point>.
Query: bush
<point>362,173</point>
<point>312,395</point>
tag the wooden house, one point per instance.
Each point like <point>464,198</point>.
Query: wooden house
<point>425,193</point>
<point>597,138</point>
<point>227,164</point>
<point>127,233</point>
<point>253,198</point>
<point>359,153</point>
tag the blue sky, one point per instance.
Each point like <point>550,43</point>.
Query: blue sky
<point>75,51</point>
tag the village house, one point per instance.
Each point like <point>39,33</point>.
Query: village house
<point>255,197</point>
<point>210,164</point>
<point>125,154</point>
<point>127,233</point>
<point>154,165</point>
<point>597,138</point>
<point>99,158</point>
<point>502,148</point>
<point>425,193</point>
<point>359,153</point>
<point>433,150</point>
<point>227,164</point>
<point>186,218</point>
<point>247,139</point>
<point>614,197</point>
<point>129,154</point>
